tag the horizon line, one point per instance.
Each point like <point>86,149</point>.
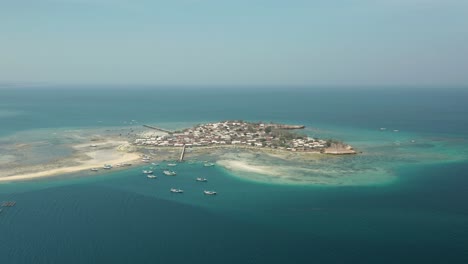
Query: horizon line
<point>38,85</point>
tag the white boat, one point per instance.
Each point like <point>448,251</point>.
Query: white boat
<point>208,164</point>
<point>201,179</point>
<point>169,173</point>
<point>151,176</point>
<point>209,192</point>
<point>171,164</point>
<point>154,164</point>
<point>93,146</point>
<point>174,190</point>
<point>94,169</point>
<point>383,128</point>
<point>107,167</point>
<point>147,171</point>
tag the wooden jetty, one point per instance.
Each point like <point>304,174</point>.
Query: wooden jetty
<point>157,128</point>
<point>8,204</point>
<point>182,154</point>
<point>288,127</point>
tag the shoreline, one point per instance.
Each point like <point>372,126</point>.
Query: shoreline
<point>85,158</point>
<point>96,150</point>
<point>115,151</point>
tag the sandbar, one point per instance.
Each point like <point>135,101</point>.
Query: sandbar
<point>86,157</point>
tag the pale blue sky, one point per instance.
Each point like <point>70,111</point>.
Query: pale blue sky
<point>241,42</point>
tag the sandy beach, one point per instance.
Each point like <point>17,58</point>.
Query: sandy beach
<point>86,157</point>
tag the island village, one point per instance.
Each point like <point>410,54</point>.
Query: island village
<point>247,134</point>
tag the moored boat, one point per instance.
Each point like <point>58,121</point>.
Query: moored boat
<point>94,169</point>
<point>107,167</point>
<point>201,179</point>
<point>169,173</point>
<point>147,171</point>
<point>209,164</point>
<point>151,176</point>
<point>172,164</point>
<point>209,192</point>
<point>174,190</point>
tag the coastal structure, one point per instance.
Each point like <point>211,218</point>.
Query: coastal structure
<point>8,204</point>
<point>241,133</point>
<point>182,154</point>
<point>157,128</point>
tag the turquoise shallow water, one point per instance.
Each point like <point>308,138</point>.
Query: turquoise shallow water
<point>122,217</point>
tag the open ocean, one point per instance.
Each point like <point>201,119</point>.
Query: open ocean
<point>120,217</point>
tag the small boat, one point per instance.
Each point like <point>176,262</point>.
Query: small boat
<point>208,164</point>
<point>171,164</point>
<point>201,179</point>
<point>154,164</point>
<point>174,190</point>
<point>209,192</point>
<point>145,160</point>
<point>396,130</point>
<point>107,167</point>
<point>93,146</point>
<point>382,129</point>
<point>127,164</point>
<point>169,173</point>
<point>151,176</point>
<point>147,172</point>
<point>94,169</point>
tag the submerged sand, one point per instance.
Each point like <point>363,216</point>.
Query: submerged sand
<point>83,150</point>
<point>296,169</point>
<point>85,157</point>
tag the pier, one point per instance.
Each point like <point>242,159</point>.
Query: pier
<point>8,203</point>
<point>157,128</point>
<point>182,154</point>
<point>289,127</point>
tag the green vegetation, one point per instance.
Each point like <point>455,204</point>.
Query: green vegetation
<point>331,141</point>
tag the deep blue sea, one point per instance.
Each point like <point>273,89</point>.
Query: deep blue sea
<point>122,217</point>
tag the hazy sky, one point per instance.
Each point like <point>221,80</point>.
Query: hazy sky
<point>237,42</point>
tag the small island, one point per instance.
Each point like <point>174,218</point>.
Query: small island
<point>269,149</point>
<point>247,134</point>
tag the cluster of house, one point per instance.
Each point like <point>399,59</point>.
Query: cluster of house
<point>233,133</point>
